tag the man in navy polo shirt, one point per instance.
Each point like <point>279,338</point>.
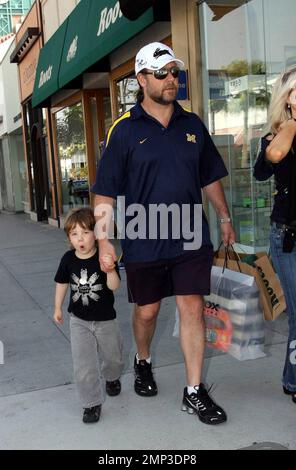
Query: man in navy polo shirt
<point>158,155</point>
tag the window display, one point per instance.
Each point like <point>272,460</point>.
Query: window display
<point>242,59</point>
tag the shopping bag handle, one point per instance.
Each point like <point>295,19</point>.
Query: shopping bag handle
<point>227,256</point>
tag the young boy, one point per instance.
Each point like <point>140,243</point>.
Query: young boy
<point>96,341</point>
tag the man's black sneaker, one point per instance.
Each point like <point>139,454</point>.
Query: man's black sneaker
<point>92,415</point>
<point>202,404</point>
<point>113,387</point>
<point>288,392</point>
<point>145,385</point>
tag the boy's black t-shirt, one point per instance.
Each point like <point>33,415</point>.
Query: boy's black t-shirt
<point>90,298</point>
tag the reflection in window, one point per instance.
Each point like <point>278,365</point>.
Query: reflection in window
<point>237,87</point>
<point>127,93</point>
<point>107,121</point>
<point>72,157</point>
<point>107,112</point>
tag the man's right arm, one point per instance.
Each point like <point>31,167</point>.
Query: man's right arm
<point>103,214</point>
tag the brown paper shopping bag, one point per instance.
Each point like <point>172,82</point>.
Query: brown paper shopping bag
<point>272,290</point>
<point>271,293</point>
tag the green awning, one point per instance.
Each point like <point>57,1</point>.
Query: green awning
<point>47,74</point>
<point>75,45</point>
<point>95,28</point>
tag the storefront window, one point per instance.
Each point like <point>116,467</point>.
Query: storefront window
<point>245,47</point>
<point>107,112</point>
<point>127,93</point>
<point>73,165</point>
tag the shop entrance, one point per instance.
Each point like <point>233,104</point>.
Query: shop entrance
<point>36,162</point>
<point>39,175</point>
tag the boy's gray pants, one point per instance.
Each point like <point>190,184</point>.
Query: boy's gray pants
<point>97,355</point>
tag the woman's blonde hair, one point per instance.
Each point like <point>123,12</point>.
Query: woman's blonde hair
<point>278,109</point>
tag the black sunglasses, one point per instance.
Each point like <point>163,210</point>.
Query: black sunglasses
<point>161,74</point>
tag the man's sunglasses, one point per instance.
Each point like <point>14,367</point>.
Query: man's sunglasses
<point>161,74</point>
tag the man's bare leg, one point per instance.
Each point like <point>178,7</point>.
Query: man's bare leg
<point>144,323</point>
<point>192,335</point>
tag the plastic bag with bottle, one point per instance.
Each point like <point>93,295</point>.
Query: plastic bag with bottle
<point>233,315</point>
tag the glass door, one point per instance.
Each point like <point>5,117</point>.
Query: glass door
<point>245,45</point>
<point>79,132</point>
<point>73,178</point>
<point>97,112</point>
<point>236,102</point>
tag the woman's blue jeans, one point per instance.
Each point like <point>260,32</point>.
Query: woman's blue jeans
<point>285,266</point>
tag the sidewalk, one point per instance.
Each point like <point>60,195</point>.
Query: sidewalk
<point>38,402</point>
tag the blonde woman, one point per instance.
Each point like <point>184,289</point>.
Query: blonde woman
<point>277,157</point>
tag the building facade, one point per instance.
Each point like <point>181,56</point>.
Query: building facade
<point>13,184</point>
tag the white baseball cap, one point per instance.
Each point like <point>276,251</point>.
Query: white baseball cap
<point>154,56</point>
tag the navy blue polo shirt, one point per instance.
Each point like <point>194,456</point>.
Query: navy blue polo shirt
<point>151,164</point>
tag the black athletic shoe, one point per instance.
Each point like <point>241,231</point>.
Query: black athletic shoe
<point>92,415</point>
<point>113,387</point>
<point>145,385</point>
<point>202,404</point>
<point>288,392</point>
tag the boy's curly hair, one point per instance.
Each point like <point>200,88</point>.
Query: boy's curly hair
<point>83,217</point>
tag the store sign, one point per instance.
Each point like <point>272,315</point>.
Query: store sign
<point>45,76</point>
<point>108,17</point>
<point>238,85</point>
<point>248,83</point>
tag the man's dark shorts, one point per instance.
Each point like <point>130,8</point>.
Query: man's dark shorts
<point>188,274</point>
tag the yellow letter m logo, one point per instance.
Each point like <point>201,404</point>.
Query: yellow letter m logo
<point>191,138</point>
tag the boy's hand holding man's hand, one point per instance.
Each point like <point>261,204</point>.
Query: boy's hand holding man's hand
<point>108,261</point>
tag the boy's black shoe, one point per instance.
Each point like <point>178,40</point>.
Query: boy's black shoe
<point>92,415</point>
<point>113,387</point>
<point>202,404</point>
<point>145,385</point>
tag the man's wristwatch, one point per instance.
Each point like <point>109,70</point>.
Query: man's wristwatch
<point>225,220</point>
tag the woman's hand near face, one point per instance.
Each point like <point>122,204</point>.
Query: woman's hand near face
<point>281,144</point>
